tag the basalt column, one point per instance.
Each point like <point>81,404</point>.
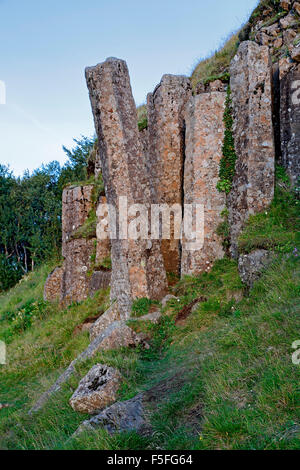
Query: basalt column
<point>253,184</point>
<point>204,140</point>
<point>290,122</point>
<point>166,152</point>
<point>137,265</point>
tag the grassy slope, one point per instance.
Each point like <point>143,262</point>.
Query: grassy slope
<point>238,386</point>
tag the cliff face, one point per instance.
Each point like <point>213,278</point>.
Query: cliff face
<point>174,164</point>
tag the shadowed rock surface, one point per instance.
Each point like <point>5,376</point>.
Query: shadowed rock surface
<point>252,265</point>
<point>290,123</point>
<point>166,130</point>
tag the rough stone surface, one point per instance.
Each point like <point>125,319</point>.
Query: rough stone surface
<point>122,416</point>
<point>103,247</point>
<point>99,280</point>
<point>137,265</point>
<point>119,335</point>
<point>153,317</point>
<point>89,352</point>
<point>166,152</point>
<point>285,65</point>
<point>96,390</point>
<point>290,122</point>
<point>253,184</point>
<point>252,265</point>
<point>52,286</point>
<point>110,316</point>
<point>204,141</point>
<point>296,6</point>
<point>76,205</point>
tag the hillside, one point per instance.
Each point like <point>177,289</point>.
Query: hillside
<point>222,378</point>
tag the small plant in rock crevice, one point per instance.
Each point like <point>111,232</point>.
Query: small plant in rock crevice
<point>227,163</point>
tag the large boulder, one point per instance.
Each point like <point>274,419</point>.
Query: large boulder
<point>96,390</point>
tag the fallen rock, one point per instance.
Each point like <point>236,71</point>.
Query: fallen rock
<point>110,316</point>
<point>123,416</point>
<point>89,352</point>
<point>166,299</point>
<point>96,390</point>
<point>252,265</point>
<point>286,4</point>
<point>119,335</point>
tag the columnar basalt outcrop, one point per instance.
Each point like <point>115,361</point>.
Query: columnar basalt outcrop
<point>76,250</point>
<point>166,129</point>
<point>137,264</point>
<point>290,122</point>
<point>204,141</point>
<point>253,184</point>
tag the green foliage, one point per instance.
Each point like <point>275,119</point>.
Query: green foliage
<point>141,307</point>
<point>142,117</point>
<point>227,163</point>
<point>278,227</point>
<point>30,212</point>
<point>223,230</point>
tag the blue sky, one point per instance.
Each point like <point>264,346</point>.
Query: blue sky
<point>45,46</point>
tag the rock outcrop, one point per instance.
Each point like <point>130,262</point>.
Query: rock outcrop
<point>137,264</point>
<point>96,390</point>
<point>166,130</point>
<point>290,122</point>
<point>252,265</point>
<point>253,184</point>
<point>204,140</point>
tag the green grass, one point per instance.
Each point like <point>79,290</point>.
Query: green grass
<point>238,390</point>
<point>217,65</point>
<point>277,228</point>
